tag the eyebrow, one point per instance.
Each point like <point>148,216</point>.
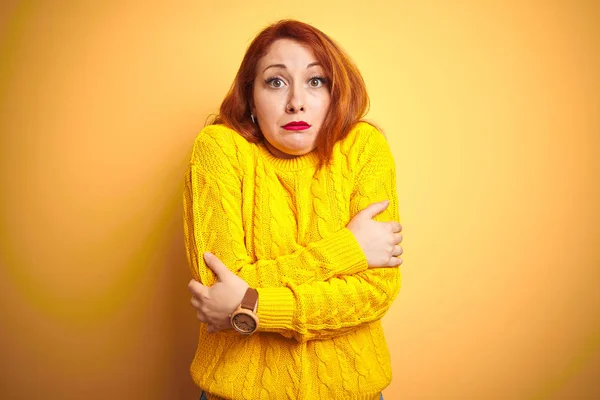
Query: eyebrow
<point>312,64</point>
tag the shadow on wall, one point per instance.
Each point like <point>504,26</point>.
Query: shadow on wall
<point>182,334</point>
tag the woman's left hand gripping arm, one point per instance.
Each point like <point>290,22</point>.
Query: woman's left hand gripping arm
<point>214,304</point>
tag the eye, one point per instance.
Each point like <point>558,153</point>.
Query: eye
<point>274,82</point>
<point>317,81</point>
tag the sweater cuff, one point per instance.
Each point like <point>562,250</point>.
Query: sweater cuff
<point>275,308</point>
<point>344,252</point>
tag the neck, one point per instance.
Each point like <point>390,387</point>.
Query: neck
<point>276,152</point>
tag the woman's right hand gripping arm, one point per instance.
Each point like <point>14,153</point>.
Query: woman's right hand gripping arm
<point>380,241</point>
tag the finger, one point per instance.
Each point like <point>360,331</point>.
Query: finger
<point>397,238</point>
<point>195,302</point>
<point>395,261</point>
<point>196,288</point>
<point>396,227</point>
<point>397,251</point>
<point>201,317</point>
<point>376,208</point>
<point>216,265</point>
<point>222,326</point>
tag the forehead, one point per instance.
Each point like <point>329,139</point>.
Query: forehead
<point>289,52</point>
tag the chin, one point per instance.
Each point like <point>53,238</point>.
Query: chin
<point>300,152</point>
<point>300,149</point>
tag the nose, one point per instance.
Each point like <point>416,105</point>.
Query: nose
<point>295,101</point>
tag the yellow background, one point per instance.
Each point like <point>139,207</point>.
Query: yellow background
<point>492,113</point>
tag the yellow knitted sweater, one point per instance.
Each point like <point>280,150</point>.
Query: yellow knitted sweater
<point>279,224</point>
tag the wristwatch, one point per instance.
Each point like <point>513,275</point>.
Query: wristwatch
<point>244,318</point>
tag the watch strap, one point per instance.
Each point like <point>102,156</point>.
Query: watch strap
<point>250,299</point>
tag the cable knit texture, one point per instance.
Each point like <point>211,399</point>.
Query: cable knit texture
<point>280,224</point>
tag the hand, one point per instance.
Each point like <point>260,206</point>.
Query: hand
<point>378,240</point>
<point>214,304</point>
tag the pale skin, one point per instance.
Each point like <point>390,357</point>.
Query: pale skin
<point>290,85</point>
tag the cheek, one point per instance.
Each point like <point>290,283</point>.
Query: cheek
<point>323,106</point>
<point>326,106</point>
<point>268,107</point>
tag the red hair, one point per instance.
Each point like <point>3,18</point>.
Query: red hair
<point>349,98</point>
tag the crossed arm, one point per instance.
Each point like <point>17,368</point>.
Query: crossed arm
<point>324,289</point>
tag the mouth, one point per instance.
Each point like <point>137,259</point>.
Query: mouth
<point>296,126</point>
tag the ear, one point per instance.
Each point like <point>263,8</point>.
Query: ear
<point>251,101</point>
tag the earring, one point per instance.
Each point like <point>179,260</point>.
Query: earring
<point>252,118</point>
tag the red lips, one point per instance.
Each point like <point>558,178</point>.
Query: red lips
<point>296,126</point>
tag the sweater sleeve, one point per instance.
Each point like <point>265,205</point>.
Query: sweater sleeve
<point>213,221</point>
<point>323,309</point>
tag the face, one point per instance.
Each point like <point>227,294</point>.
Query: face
<point>291,98</point>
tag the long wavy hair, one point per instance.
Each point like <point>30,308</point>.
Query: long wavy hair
<point>349,98</point>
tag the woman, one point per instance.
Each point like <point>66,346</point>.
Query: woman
<point>292,229</point>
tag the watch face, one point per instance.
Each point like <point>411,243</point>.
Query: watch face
<point>244,323</point>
